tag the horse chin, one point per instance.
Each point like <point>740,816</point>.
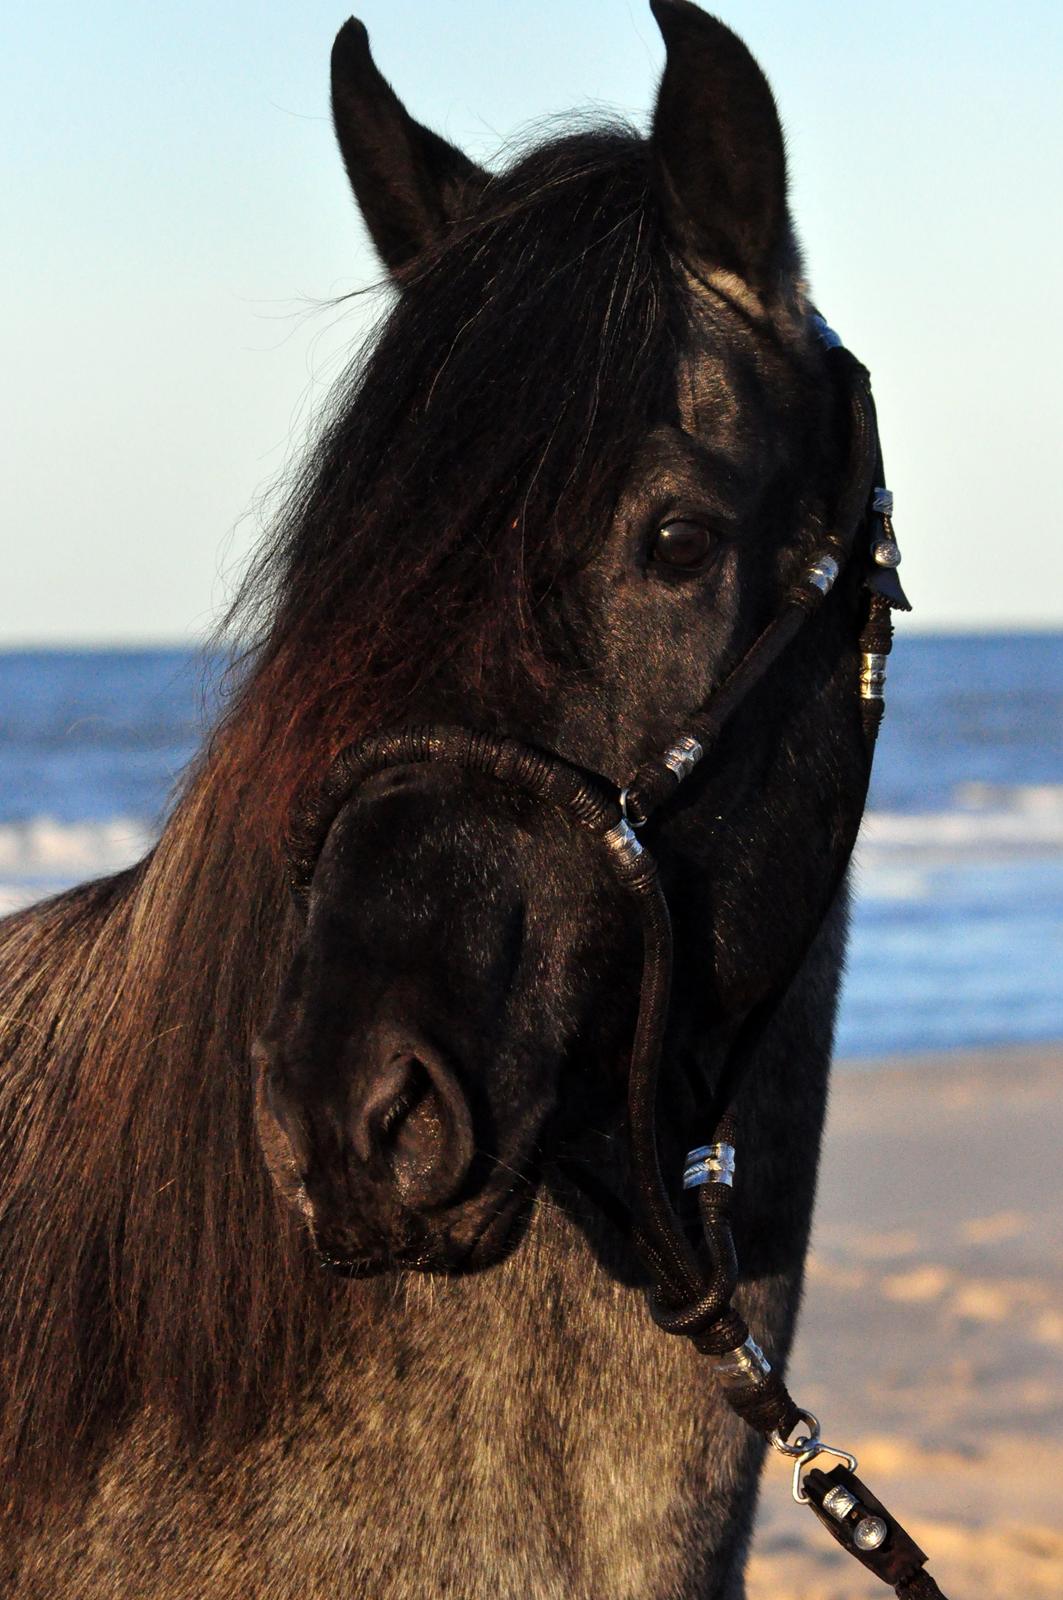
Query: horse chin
<point>468,1240</point>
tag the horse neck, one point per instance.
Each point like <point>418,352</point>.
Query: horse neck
<point>534,1415</point>
<point>533,1422</point>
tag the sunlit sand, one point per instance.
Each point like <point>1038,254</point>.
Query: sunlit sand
<point>931,1341</point>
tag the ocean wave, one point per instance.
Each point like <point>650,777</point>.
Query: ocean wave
<point>985,819</point>
<point>988,822</point>
<point>42,856</point>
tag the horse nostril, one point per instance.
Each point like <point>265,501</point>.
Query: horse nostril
<point>415,1119</point>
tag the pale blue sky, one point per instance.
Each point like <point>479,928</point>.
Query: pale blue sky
<point>175,217</point>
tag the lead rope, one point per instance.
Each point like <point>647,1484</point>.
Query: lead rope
<point>689,1299</point>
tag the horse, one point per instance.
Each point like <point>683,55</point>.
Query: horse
<point>555,501</point>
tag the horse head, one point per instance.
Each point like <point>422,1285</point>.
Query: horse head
<point>596,441</point>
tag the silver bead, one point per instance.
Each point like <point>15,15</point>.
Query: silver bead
<point>839,1502</point>
<point>887,553</point>
<point>869,1533</point>
<point>622,842</point>
<point>872,676</point>
<point>683,756</point>
<point>882,502</point>
<point>740,1368</point>
<point>822,574</point>
<point>709,1163</point>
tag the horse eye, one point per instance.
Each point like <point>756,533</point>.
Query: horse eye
<point>683,544</point>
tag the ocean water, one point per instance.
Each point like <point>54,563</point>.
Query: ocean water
<point>958,920</point>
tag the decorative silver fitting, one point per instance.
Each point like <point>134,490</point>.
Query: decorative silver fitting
<point>622,842</point>
<point>709,1163</point>
<point>885,552</point>
<point>869,1533</point>
<point>839,1501</point>
<point>822,574</point>
<point>683,756</point>
<point>740,1368</point>
<point>872,676</point>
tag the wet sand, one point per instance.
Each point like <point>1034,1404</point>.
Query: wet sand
<point>931,1339</point>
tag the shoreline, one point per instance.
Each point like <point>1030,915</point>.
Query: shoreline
<point>930,1342</point>
<point>1036,1055</point>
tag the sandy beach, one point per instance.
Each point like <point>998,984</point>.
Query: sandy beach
<point>931,1340</point>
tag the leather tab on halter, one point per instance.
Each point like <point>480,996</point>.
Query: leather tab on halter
<point>862,1525</point>
<point>883,578</point>
<point>884,581</point>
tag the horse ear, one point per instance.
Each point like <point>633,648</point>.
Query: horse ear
<point>718,149</point>
<point>409,183</point>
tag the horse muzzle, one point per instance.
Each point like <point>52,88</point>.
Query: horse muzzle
<point>416,1048</point>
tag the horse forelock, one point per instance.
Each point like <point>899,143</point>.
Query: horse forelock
<point>473,456</point>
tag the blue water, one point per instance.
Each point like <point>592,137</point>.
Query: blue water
<point>958,924</point>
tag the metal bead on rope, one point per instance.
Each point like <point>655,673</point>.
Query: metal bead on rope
<point>822,575</point>
<point>709,1163</point>
<point>885,552</point>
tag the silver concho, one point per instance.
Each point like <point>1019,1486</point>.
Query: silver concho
<point>887,553</point>
<point>869,1533</point>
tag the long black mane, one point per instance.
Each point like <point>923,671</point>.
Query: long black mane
<point>473,458</point>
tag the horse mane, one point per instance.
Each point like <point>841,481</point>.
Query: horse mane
<point>470,458</point>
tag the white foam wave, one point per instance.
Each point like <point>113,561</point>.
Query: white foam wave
<point>42,856</point>
<point>988,824</point>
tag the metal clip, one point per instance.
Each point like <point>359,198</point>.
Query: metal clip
<point>820,1449</point>
<point>805,1449</point>
<point>802,1443</point>
<point>863,1526</point>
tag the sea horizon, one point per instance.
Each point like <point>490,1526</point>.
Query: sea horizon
<point>957,926</point>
